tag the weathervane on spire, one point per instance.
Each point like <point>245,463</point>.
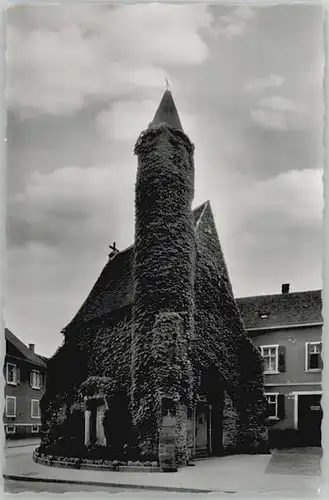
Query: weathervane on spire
<point>167,84</point>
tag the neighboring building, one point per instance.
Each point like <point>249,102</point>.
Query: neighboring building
<point>287,328</point>
<point>24,373</point>
<point>159,341</point>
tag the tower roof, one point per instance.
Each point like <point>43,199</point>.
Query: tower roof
<point>167,112</point>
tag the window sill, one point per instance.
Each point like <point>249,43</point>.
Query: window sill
<point>35,417</point>
<point>11,383</point>
<point>10,416</point>
<point>35,387</point>
<point>271,373</point>
<point>313,370</point>
<point>276,419</point>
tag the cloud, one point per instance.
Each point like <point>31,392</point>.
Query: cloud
<point>293,198</point>
<point>281,104</point>
<point>268,119</point>
<point>72,206</point>
<point>259,84</point>
<point>276,112</point>
<point>61,58</point>
<point>74,61</point>
<point>126,119</point>
<point>235,23</point>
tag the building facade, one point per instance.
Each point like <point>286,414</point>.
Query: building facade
<point>160,352</point>
<point>25,377</point>
<point>287,329</point>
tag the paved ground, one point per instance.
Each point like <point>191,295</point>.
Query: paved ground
<point>245,474</point>
<point>23,486</point>
<point>14,487</point>
<point>300,461</point>
<point>19,443</point>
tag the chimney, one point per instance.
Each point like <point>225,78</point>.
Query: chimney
<point>285,288</point>
<point>31,347</point>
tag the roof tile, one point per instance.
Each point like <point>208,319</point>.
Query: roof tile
<point>286,309</point>
<point>114,287</point>
<point>25,351</point>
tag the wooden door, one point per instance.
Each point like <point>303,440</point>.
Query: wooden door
<point>309,419</point>
<point>202,429</point>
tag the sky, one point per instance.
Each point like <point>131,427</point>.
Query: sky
<point>85,80</point>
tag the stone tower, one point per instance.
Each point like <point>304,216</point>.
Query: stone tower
<point>163,280</point>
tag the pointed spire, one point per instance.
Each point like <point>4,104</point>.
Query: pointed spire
<point>167,111</point>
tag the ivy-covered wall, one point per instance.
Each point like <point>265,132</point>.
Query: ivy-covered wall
<point>182,334</point>
<point>220,343</point>
<point>164,254</point>
<point>99,350</point>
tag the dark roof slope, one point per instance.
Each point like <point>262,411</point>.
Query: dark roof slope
<point>43,358</point>
<point>285,309</point>
<point>114,287</point>
<point>23,349</point>
<point>167,112</point>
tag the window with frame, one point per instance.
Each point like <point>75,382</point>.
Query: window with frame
<point>10,406</point>
<point>35,408</point>
<point>11,374</point>
<point>272,400</point>
<point>270,357</point>
<point>36,379</point>
<point>10,429</point>
<point>313,356</point>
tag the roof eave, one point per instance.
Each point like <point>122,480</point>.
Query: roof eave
<point>283,327</point>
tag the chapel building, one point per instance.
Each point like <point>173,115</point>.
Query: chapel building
<point>156,364</point>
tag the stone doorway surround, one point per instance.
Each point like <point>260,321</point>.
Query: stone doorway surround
<point>96,413</point>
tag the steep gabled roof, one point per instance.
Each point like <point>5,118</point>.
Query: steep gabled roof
<point>167,112</point>
<point>23,349</point>
<point>285,309</point>
<point>114,287</point>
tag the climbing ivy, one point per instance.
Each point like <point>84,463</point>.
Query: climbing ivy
<point>163,275</point>
<point>220,340</point>
<point>183,323</point>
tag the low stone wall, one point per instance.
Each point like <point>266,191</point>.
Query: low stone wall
<point>87,464</point>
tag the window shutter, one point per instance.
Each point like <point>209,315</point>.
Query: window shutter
<point>281,409</point>
<point>31,379</point>
<point>18,375</point>
<point>321,360</point>
<point>282,358</point>
<point>267,414</point>
<point>308,356</point>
